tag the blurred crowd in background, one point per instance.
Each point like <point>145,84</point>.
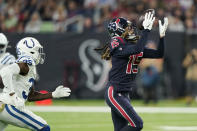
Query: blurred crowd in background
<point>35,16</point>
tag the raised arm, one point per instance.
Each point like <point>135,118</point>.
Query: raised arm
<point>124,50</point>
<point>159,53</point>
<point>152,53</point>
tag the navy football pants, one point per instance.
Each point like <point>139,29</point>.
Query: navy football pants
<point>121,110</point>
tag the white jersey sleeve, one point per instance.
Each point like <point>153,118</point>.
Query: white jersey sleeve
<point>26,59</point>
<point>6,59</point>
<point>7,76</point>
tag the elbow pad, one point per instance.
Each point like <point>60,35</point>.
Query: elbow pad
<point>7,75</point>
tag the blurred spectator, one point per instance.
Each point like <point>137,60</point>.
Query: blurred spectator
<point>175,22</point>
<point>33,26</point>
<point>20,27</point>
<point>47,9</point>
<point>160,13</point>
<point>90,3</point>
<point>73,15</point>
<point>105,17</point>
<point>189,23</point>
<point>11,20</point>
<point>153,4</point>
<point>151,71</point>
<point>60,13</point>
<point>59,17</point>
<point>2,5</point>
<point>186,4</point>
<point>190,63</point>
<point>2,23</point>
<point>31,6</point>
<point>73,8</point>
<point>88,24</point>
<point>150,78</point>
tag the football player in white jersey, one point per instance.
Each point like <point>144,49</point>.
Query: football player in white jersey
<point>5,57</point>
<point>17,82</point>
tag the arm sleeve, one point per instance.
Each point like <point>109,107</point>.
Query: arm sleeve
<point>151,53</point>
<point>8,59</point>
<point>11,60</point>
<point>7,74</point>
<point>125,49</point>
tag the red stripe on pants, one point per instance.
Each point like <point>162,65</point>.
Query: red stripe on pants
<point>120,109</point>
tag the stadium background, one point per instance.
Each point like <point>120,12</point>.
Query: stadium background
<point>69,30</point>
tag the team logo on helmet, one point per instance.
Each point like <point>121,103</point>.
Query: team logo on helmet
<point>112,26</point>
<point>30,44</point>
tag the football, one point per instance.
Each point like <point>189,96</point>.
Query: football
<point>141,18</point>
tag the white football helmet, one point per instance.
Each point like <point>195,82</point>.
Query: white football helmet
<point>29,46</point>
<point>3,43</point>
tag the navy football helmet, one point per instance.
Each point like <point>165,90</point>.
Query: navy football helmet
<point>124,28</point>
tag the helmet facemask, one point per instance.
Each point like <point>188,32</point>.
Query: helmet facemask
<point>3,43</point>
<point>38,55</point>
<point>3,48</point>
<point>41,55</point>
<point>131,33</point>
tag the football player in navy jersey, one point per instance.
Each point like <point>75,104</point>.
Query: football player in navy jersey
<point>125,51</point>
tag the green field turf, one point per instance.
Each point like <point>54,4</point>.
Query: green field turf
<point>101,102</point>
<point>71,121</point>
<point>102,121</point>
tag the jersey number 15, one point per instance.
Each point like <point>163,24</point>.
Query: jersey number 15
<point>134,60</point>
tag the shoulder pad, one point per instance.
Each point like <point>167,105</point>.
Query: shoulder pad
<point>26,59</point>
<point>7,58</point>
<point>117,41</point>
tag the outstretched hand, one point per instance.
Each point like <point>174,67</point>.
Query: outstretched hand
<point>148,20</point>
<point>61,91</point>
<point>163,27</point>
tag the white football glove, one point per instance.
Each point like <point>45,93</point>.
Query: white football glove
<point>61,91</point>
<point>148,21</point>
<point>163,28</point>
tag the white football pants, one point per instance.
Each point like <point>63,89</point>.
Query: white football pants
<point>23,118</point>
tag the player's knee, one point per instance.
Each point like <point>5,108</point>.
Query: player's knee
<point>139,124</point>
<point>46,128</point>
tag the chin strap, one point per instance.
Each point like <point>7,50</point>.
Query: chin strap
<point>130,35</point>
<point>133,38</point>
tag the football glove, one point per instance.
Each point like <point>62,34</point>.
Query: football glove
<point>61,91</point>
<point>163,28</point>
<point>148,21</point>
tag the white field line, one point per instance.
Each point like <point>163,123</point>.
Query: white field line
<point>107,109</point>
<point>179,128</point>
